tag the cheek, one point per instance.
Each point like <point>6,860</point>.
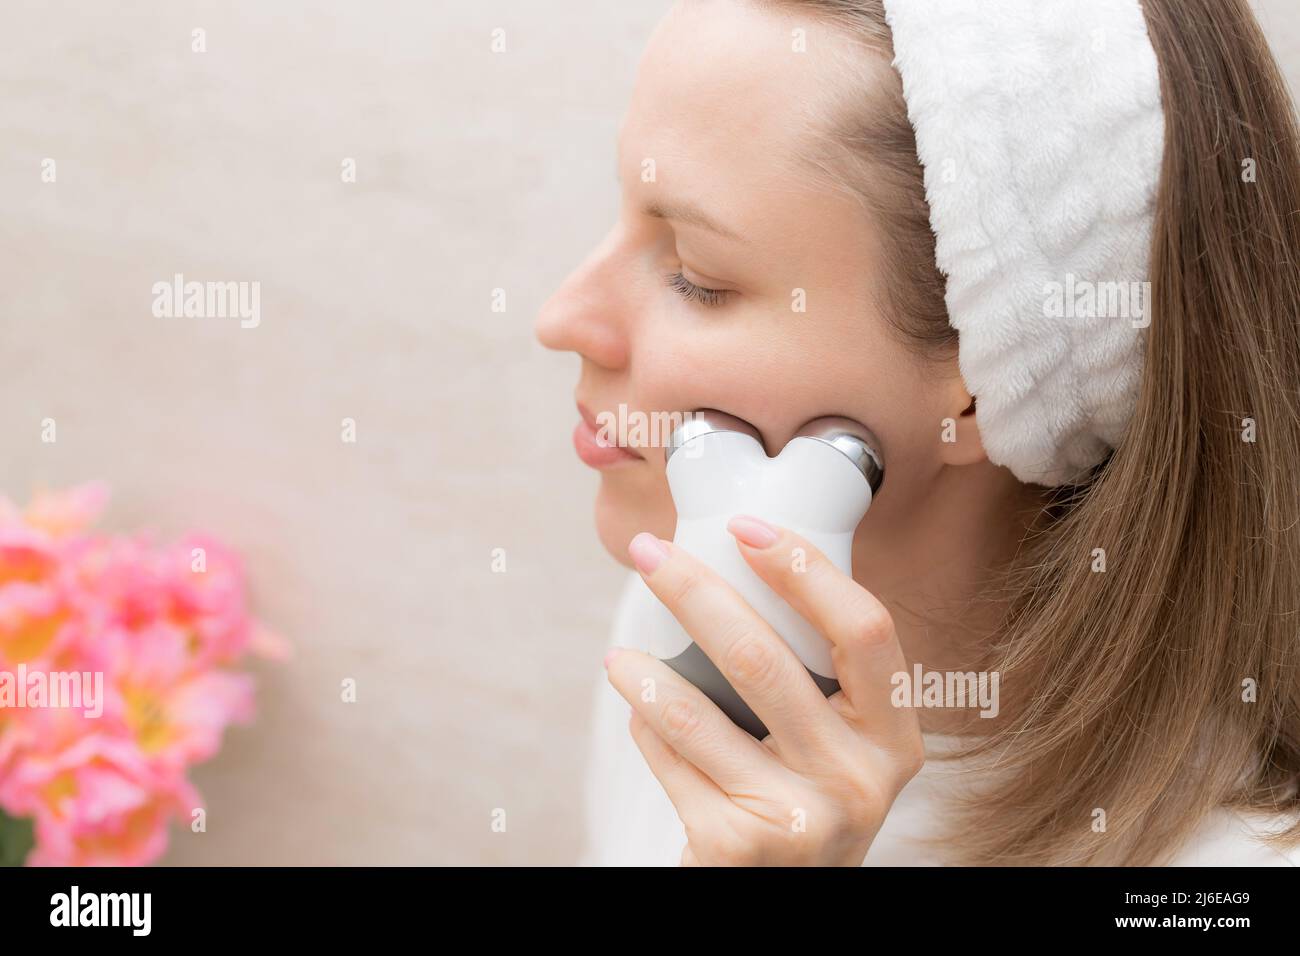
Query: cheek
<point>778,381</point>
<point>778,378</point>
<point>903,406</point>
<point>730,367</point>
<point>677,371</point>
<point>677,360</point>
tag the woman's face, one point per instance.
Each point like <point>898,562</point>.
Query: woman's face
<point>691,301</point>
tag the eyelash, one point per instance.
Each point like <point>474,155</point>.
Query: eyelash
<point>688,290</point>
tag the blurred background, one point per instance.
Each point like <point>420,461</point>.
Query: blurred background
<point>475,171</point>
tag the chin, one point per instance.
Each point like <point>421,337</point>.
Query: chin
<point>623,510</point>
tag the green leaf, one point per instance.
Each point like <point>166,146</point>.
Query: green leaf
<point>16,839</point>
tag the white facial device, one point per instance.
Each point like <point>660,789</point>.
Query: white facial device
<point>820,486</point>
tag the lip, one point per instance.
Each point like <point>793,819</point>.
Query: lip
<point>589,448</point>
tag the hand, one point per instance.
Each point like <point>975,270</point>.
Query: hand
<point>816,790</point>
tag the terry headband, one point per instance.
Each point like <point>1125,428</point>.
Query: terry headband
<point>1039,127</point>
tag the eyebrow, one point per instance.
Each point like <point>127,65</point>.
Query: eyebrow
<point>674,211</point>
<point>690,214</point>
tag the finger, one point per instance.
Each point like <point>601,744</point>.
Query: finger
<point>751,656</point>
<point>691,793</point>
<point>865,651</point>
<point>688,722</point>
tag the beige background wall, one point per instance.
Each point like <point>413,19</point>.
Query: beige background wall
<point>475,171</point>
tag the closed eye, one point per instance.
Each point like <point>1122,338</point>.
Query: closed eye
<point>691,292</point>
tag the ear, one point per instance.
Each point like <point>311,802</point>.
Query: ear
<point>959,436</point>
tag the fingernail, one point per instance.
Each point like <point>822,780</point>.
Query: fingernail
<point>751,531</point>
<point>647,552</point>
<point>610,655</point>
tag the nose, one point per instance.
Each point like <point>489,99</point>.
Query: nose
<point>588,313</point>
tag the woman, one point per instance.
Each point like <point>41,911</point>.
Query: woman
<point>909,213</point>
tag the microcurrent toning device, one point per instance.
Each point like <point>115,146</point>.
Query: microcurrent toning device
<point>819,486</point>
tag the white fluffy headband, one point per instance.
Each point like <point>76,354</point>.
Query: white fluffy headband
<point>1039,125</point>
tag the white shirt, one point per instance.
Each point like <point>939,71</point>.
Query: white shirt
<point>631,822</point>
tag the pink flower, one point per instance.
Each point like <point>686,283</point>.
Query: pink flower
<point>174,710</point>
<point>159,633</point>
<point>61,513</point>
<point>97,803</point>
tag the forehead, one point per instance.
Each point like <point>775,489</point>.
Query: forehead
<point>723,98</point>
<point>733,117</point>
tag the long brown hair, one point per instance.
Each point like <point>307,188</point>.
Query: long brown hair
<point>1169,685</point>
